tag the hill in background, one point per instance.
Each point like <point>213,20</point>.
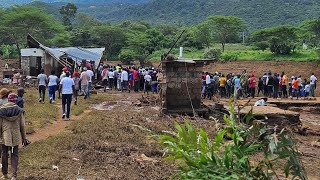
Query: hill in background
<point>258,13</point>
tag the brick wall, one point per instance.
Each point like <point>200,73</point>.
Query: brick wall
<point>25,65</point>
<point>177,77</point>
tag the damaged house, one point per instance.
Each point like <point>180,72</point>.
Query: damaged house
<point>38,57</point>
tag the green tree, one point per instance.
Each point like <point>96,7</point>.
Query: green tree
<point>203,34</point>
<point>68,13</point>
<point>85,21</point>
<point>18,21</point>
<point>61,40</point>
<point>81,37</point>
<point>138,43</point>
<point>281,39</point>
<point>113,38</point>
<point>225,28</point>
<point>156,40</point>
<point>311,31</point>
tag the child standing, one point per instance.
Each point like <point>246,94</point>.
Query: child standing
<point>307,89</point>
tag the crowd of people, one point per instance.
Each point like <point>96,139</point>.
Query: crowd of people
<point>244,85</point>
<point>79,82</point>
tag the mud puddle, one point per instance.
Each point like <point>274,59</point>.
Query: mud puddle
<point>110,105</point>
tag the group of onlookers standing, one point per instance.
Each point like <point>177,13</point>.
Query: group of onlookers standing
<point>111,77</point>
<point>129,78</point>
<point>247,85</point>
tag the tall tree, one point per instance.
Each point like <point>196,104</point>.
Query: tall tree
<point>203,34</point>
<point>226,27</point>
<point>111,37</point>
<point>68,13</point>
<point>18,21</point>
<point>311,31</point>
<point>281,39</point>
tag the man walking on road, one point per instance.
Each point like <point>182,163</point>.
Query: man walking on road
<point>42,85</point>
<point>67,89</point>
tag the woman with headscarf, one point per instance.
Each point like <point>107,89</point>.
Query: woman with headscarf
<point>12,129</point>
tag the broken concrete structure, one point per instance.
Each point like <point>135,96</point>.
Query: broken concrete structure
<point>181,86</point>
<point>38,57</point>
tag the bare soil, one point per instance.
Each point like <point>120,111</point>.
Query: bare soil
<point>111,140</point>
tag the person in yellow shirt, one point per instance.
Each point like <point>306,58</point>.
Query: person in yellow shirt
<point>222,82</point>
<point>284,84</point>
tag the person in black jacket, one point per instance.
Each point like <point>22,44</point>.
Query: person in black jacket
<point>260,86</point>
<point>270,83</point>
<point>276,84</point>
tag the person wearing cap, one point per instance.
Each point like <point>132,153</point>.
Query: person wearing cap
<point>67,89</point>
<point>4,92</point>
<point>42,78</point>
<point>20,93</point>
<point>52,86</point>
<point>13,133</point>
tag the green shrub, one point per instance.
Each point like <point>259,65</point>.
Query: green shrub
<point>229,57</point>
<point>226,156</point>
<point>126,56</point>
<point>212,53</point>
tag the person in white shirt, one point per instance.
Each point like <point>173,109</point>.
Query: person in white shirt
<point>125,80</point>
<point>52,86</point>
<point>208,79</point>
<point>42,85</point>
<point>261,102</point>
<point>67,89</point>
<point>91,76</point>
<point>111,78</point>
<point>147,83</point>
<point>313,84</point>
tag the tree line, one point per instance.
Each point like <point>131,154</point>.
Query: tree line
<point>137,40</point>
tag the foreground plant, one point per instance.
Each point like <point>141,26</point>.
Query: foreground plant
<point>238,151</point>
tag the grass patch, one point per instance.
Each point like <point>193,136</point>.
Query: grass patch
<point>243,52</point>
<point>37,115</point>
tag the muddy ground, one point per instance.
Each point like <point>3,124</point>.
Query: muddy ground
<point>113,141</point>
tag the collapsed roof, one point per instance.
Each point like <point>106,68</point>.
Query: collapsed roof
<point>77,54</point>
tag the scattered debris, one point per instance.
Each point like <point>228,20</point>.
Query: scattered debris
<point>55,168</point>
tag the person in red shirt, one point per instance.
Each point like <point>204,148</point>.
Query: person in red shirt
<point>252,85</point>
<point>135,79</point>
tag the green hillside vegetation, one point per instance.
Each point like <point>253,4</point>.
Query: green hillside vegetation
<point>130,40</point>
<point>258,13</point>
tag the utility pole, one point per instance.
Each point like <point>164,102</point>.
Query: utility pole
<point>243,37</point>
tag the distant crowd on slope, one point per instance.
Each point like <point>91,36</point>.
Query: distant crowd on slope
<point>244,85</point>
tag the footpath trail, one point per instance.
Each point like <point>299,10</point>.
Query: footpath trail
<point>58,126</point>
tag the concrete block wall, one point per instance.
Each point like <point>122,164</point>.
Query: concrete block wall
<point>181,77</point>
<point>25,65</point>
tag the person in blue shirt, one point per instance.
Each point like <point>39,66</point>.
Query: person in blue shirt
<point>237,86</point>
